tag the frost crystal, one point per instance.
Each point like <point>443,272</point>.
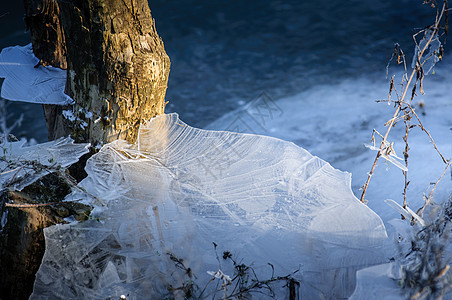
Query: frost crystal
<point>179,188</point>
<point>68,114</point>
<point>389,154</point>
<point>430,57</point>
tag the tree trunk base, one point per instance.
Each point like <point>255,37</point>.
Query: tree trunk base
<point>22,244</point>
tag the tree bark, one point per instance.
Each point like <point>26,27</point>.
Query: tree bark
<point>117,65</point>
<point>22,238</point>
<point>47,37</point>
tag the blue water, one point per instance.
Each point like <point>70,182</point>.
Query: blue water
<point>225,53</point>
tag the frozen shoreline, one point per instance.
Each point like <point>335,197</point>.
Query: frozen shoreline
<point>335,121</point>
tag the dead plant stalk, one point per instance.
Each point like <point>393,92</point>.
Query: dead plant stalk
<point>400,101</point>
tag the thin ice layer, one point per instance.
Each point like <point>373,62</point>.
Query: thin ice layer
<point>377,282</point>
<point>21,166</point>
<point>27,81</point>
<point>181,188</point>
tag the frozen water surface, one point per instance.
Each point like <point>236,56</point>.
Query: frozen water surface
<point>377,282</point>
<point>334,122</point>
<point>179,189</point>
<point>325,90</point>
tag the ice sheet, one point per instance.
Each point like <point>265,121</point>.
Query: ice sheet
<point>377,282</point>
<point>27,81</point>
<point>334,122</point>
<point>20,166</point>
<point>179,189</point>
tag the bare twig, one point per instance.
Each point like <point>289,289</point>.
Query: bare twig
<point>245,281</point>
<point>419,72</point>
<point>429,197</point>
<point>428,133</point>
<point>28,205</point>
<point>407,121</point>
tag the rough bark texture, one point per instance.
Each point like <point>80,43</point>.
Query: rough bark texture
<point>21,251</point>
<point>22,238</point>
<point>43,21</point>
<point>117,66</point>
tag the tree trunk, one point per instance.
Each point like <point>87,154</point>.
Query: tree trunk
<point>117,74</point>
<point>117,66</point>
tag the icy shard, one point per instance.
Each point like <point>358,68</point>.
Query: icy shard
<point>378,282</point>
<point>430,47</point>
<point>21,166</point>
<point>27,81</point>
<point>179,189</point>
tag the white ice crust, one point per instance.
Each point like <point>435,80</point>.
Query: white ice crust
<point>179,189</point>
<point>27,81</point>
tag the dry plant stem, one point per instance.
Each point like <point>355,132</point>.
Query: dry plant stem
<point>407,121</point>
<point>399,106</point>
<point>14,176</point>
<point>428,133</point>
<point>429,197</point>
<point>422,128</point>
<point>35,205</point>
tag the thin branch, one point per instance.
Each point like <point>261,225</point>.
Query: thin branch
<point>29,205</point>
<point>401,99</point>
<point>407,122</point>
<point>429,197</point>
<point>428,133</point>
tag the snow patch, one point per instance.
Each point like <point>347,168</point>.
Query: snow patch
<point>68,114</point>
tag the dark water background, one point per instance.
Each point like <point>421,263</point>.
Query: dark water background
<point>225,53</point>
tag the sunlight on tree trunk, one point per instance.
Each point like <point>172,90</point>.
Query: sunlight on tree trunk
<point>117,66</point>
